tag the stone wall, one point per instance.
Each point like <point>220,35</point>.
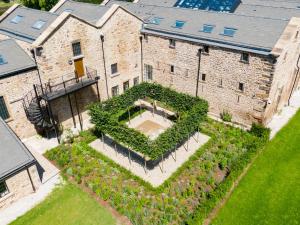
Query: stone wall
<point>57,53</point>
<point>285,71</point>
<point>13,88</point>
<point>19,186</point>
<point>220,64</point>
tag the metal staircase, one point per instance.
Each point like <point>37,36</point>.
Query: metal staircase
<point>36,110</point>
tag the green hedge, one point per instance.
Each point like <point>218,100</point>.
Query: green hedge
<point>191,110</point>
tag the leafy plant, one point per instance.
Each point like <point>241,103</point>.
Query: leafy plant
<point>192,111</point>
<point>226,116</point>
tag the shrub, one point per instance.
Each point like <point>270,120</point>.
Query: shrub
<point>226,116</point>
<point>106,116</point>
<point>260,131</point>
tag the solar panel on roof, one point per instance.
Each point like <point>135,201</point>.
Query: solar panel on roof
<point>17,19</point>
<point>213,5</point>
<point>178,24</point>
<point>2,60</point>
<point>207,28</point>
<point>38,24</point>
<point>228,31</point>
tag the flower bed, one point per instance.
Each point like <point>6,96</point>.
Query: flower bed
<point>187,197</point>
<point>191,111</point>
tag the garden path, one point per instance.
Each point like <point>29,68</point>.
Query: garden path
<point>154,176</point>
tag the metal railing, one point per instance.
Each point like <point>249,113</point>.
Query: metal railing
<point>66,81</point>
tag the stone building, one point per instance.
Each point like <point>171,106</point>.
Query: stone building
<point>241,56</point>
<point>18,168</point>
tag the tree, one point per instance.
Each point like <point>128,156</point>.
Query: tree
<point>39,4</point>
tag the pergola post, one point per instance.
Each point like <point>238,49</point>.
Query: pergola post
<point>129,156</point>
<point>116,148</point>
<point>145,165</point>
<point>128,114</point>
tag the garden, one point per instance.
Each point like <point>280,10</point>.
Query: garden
<point>189,195</point>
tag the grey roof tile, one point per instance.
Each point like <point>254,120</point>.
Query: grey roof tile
<point>13,154</point>
<point>16,59</point>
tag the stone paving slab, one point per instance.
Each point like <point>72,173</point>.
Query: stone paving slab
<point>161,172</point>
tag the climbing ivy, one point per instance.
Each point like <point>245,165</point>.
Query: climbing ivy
<point>192,111</point>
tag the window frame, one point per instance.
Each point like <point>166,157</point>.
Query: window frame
<point>114,69</point>
<point>116,87</point>
<point>172,69</point>
<point>74,50</point>
<point>125,84</point>
<point>179,24</point>
<point>203,75</point>
<point>148,69</point>
<point>38,24</point>
<point>17,19</point>
<point>172,43</point>
<point>241,87</point>
<point>5,190</point>
<point>206,49</point>
<point>2,60</point>
<point>136,81</point>
<point>243,58</point>
<point>8,115</point>
<point>229,31</point>
<point>207,28</point>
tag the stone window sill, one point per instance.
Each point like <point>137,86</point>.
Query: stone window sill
<point>219,86</point>
<point>243,61</point>
<point>114,75</point>
<point>78,57</point>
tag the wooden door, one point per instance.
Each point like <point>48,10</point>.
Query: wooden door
<point>79,68</point>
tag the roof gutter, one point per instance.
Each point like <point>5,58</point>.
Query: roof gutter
<point>185,37</point>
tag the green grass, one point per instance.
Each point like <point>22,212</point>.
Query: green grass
<point>270,191</point>
<point>67,205</point>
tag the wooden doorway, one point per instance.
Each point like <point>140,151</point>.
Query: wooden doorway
<point>79,68</point>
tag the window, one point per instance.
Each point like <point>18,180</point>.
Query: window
<point>229,31</point>
<point>172,43</point>
<point>136,81</point>
<point>178,24</point>
<point>17,19</point>
<point>220,83</point>
<point>76,46</point>
<point>241,87</point>
<point>207,28</point>
<point>68,10</point>
<point>2,60</point>
<point>148,72</point>
<point>206,49</point>
<point>203,77</point>
<point>245,57</point>
<point>172,69</point>
<point>115,90</point>
<point>3,189</point>
<point>3,109</point>
<point>156,20</point>
<point>38,24</point>
<point>114,68</point>
<point>126,85</point>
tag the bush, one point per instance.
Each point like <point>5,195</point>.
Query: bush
<point>192,111</point>
<point>226,116</point>
<point>260,131</point>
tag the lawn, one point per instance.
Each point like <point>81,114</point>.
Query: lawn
<point>270,192</point>
<point>67,204</point>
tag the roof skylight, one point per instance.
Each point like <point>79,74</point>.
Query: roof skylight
<point>178,24</point>
<point>2,60</point>
<point>38,24</point>
<point>68,10</point>
<point>228,31</point>
<point>207,28</point>
<point>156,20</point>
<point>17,19</point>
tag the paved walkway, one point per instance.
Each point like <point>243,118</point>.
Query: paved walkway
<point>282,117</point>
<point>154,176</point>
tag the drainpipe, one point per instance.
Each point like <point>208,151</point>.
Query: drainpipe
<point>33,52</point>
<point>198,73</point>
<point>142,59</point>
<point>104,64</point>
<point>295,80</point>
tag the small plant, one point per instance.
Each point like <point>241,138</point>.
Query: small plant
<point>260,131</point>
<point>226,116</point>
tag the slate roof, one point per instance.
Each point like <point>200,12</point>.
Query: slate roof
<point>24,30</point>
<point>13,154</point>
<point>15,58</point>
<point>89,12</point>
